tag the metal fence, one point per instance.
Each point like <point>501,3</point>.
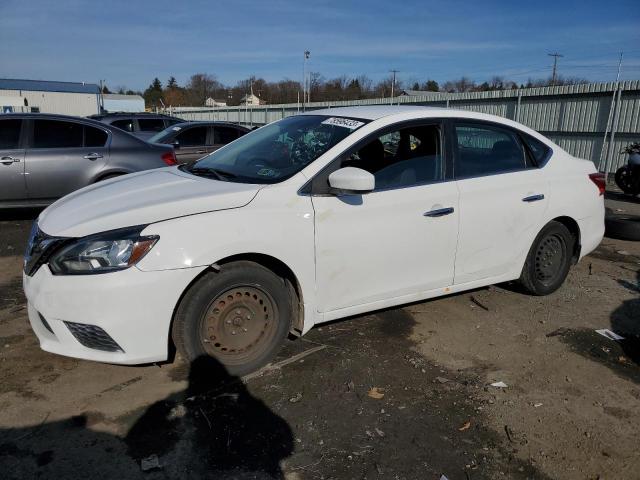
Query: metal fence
<point>594,121</point>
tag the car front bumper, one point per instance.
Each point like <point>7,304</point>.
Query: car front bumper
<point>133,308</point>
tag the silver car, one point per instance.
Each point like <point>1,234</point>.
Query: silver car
<point>44,157</point>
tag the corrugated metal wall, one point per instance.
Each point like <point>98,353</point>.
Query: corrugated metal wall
<point>78,104</point>
<point>576,117</point>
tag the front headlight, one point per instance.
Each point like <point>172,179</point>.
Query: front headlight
<point>102,253</point>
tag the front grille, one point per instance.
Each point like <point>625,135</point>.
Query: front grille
<point>94,337</point>
<point>40,246</point>
<point>45,323</point>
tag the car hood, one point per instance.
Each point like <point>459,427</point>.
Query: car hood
<point>139,199</point>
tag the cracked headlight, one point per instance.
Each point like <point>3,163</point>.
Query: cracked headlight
<point>102,252</point>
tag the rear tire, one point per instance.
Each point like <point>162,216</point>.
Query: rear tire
<point>627,181</point>
<point>549,259</point>
<point>623,227</point>
<point>240,316</point>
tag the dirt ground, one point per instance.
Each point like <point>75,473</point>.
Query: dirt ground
<point>397,394</point>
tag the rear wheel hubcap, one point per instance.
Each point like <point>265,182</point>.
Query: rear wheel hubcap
<point>549,259</point>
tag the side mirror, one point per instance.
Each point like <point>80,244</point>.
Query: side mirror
<point>176,144</point>
<point>351,180</point>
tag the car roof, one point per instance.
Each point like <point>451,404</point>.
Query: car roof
<point>131,114</point>
<point>374,112</point>
<point>208,123</point>
<point>53,116</point>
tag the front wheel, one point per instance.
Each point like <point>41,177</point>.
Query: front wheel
<point>240,316</point>
<point>627,181</point>
<point>549,259</point>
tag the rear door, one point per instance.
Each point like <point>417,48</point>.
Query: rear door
<point>191,143</point>
<point>63,156</point>
<point>222,135</point>
<point>12,182</point>
<point>503,196</point>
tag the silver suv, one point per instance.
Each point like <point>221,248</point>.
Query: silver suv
<point>44,157</point>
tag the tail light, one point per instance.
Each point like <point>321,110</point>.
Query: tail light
<point>169,158</point>
<point>599,180</point>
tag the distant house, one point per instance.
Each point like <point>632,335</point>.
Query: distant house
<point>113,102</point>
<point>251,100</point>
<point>212,102</point>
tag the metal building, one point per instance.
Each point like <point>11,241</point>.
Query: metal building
<point>113,102</point>
<point>68,98</point>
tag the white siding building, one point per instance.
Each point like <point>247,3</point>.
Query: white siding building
<point>68,98</point>
<point>113,102</point>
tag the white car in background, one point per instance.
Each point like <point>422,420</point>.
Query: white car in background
<point>309,219</point>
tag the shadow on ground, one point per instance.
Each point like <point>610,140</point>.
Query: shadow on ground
<point>213,428</point>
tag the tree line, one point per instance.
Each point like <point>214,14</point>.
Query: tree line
<point>202,86</point>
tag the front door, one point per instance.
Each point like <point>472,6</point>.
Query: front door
<point>12,183</point>
<point>190,144</point>
<point>399,239</point>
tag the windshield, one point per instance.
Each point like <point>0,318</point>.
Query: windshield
<point>276,151</point>
<point>164,135</point>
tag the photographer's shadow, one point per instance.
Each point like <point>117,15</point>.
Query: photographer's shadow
<point>213,429</point>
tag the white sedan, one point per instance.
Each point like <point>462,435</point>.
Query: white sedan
<point>309,219</point>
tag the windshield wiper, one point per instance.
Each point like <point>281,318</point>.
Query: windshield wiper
<point>210,172</point>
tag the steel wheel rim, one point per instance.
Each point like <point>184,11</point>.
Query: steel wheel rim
<point>549,259</point>
<point>238,324</point>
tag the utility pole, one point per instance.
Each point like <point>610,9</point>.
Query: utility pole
<point>307,53</point>
<point>555,56</point>
<point>393,83</point>
<point>619,67</point>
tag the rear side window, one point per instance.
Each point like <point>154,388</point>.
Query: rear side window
<point>539,150</point>
<point>124,124</point>
<point>94,137</point>
<point>486,150</point>
<point>172,121</point>
<point>193,137</point>
<point>151,124</point>
<point>10,134</point>
<point>224,135</point>
<point>56,134</point>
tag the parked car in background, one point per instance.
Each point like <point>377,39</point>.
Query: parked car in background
<point>44,157</point>
<point>142,125</point>
<point>312,218</point>
<point>194,140</point>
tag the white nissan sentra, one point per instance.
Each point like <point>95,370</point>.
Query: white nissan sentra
<point>309,219</point>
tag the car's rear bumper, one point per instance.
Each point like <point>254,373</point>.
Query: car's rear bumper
<point>121,317</point>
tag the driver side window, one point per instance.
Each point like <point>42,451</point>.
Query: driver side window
<point>402,158</point>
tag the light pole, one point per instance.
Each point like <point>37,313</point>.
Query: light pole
<point>393,83</point>
<point>307,53</point>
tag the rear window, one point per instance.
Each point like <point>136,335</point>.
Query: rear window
<point>125,124</point>
<point>56,134</point>
<point>538,149</point>
<point>224,135</point>
<point>94,137</point>
<point>193,137</point>
<point>10,134</point>
<point>151,124</point>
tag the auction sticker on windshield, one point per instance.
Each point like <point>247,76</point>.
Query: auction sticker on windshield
<point>343,122</point>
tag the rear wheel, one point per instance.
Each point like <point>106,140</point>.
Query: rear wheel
<point>549,259</point>
<point>240,316</point>
<point>627,181</point>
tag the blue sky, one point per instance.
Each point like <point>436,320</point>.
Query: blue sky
<point>130,42</point>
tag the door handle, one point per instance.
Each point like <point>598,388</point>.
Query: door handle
<point>533,198</point>
<point>92,156</point>
<point>9,160</point>
<point>439,212</point>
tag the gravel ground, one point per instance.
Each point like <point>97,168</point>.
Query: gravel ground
<point>398,394</point>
